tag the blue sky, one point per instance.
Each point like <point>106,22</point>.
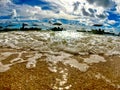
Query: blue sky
<point>87,12</point>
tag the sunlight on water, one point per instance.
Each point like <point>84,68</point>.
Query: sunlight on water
<point>69,35</point>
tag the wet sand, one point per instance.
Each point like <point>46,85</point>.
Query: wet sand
<point>100,76</point>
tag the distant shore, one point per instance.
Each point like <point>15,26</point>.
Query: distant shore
<point>59,29</point>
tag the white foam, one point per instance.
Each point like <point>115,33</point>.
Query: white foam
<point>53,69</point>
<point>60,58</point>
<point>74,63</point>
<point>16,60</point>
<point>66,59</point>
<point>94,59</point>
<point>19,57</point>
<point>71,50</point>
<point>32,61</point>
<point>4,68</point>
<point>31,64</point>
<point>111,52</point>
<point>6,54</point>
<point>69,35</point>
<point>70,41</point>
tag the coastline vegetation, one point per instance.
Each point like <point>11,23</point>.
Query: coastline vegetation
<point>56,28</point>
<point>99,31</point>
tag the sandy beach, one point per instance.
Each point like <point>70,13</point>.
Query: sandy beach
<point>99,76</point>
<point>59,61</point>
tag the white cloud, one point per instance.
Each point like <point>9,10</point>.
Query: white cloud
<point>64,5</point>
<point>32,12</point>
<point>14,13</point>
<point>35,12</point>
<point>117,2</point>
<point>95,12</point>
<point>4,2</point>
<point>111,22</point>
<point>87,11</point>
<point>5,7</point>
<point>82,8</point>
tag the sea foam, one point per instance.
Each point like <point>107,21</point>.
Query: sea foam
<point>68,41</point>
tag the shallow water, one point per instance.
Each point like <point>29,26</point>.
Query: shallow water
<point>67,41</point>
<point>57,47</point>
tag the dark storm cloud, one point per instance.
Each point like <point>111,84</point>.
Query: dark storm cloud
<point>103,3</point>
<point>91,10</point>
<point>76,5</point>
<point>85,13</point>
<point>90,1</point>
<point>90,13</point>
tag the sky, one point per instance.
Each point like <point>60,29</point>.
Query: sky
<point>84,12</point>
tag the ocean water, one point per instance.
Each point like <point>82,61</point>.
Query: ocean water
<point>66,41</point>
